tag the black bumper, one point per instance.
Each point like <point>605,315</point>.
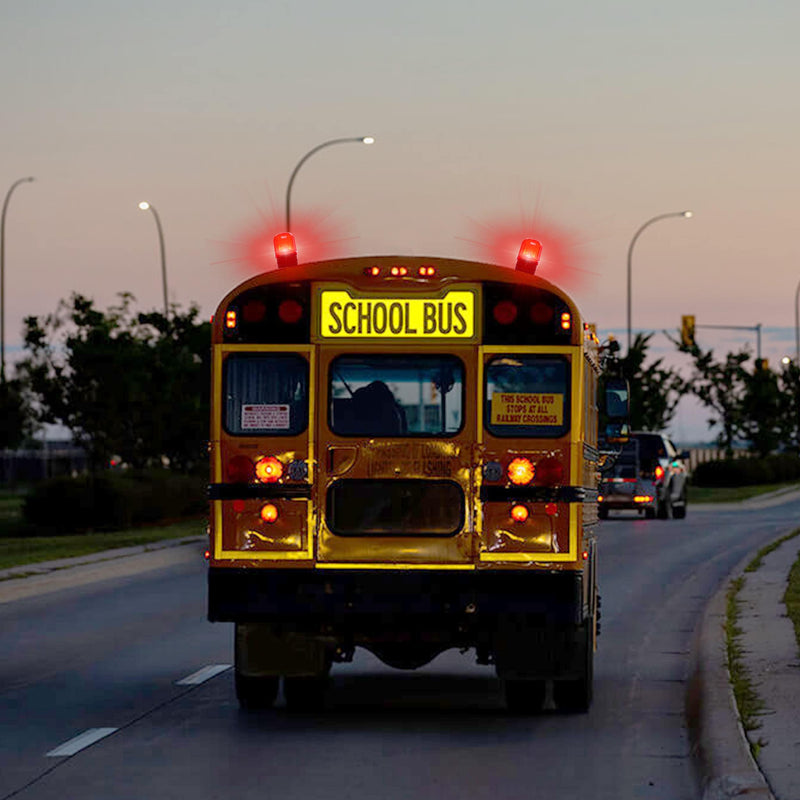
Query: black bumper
<point>313,598</point>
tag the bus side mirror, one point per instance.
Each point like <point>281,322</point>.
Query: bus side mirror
<point>618,432</point>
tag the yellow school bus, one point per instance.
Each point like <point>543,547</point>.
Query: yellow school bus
<point>404,458</point>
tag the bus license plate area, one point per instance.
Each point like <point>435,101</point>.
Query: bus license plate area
<point>539,533</point>
<point>265,526</point>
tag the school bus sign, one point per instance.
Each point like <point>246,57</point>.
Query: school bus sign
<point>515,408</point>
<point>451,316</point>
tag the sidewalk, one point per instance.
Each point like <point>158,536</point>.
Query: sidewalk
<point>771,658</point>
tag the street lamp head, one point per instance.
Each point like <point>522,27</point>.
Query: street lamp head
<point>144,205</point>
<point>368,139</point>
<point>688,214</point>
<point>786,361</point>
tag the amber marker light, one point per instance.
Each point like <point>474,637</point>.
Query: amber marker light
<point>520,471</point>
<point>566,321</point>
<point>269,513</point>
<point>230,319</point>
<point>268,469</point>
<point>519,513</point>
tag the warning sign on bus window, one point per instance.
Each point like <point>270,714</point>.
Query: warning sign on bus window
<point>514,408</point>
<point>271,417</point>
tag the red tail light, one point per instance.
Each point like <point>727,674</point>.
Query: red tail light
<point>549,472</point>
<point>269,513</point>
<point>519,513</point>
<point>268,469</point>
<point>241,470</point>
<point>659,472</point>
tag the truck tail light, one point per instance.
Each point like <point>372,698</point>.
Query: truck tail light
<point>519,513</point>
<point>240,470</point>
<point>521,471</point>
<point>268,469</point>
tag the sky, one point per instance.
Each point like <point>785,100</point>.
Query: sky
<point>580,120</point>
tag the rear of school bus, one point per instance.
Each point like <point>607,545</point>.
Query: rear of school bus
<point>404,459</point>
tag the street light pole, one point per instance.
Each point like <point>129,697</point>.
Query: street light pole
<point>3,278</point>
<point>145,206</point>
<point>361,139</point>
<point>649,222</point>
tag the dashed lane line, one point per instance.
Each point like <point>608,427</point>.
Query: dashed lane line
<point>202,675</point>
<point>81,742</point>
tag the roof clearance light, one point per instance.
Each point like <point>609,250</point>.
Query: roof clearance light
<point>372,271</point>
<point>529,253</point>
<point>505,312</point>
<point>285,250</point>
<point>269,469</point>
<point>290,312</point>
<point>566,321</point>
<point>269,513</point>
<point>520,471</point>
<point>426,271</point>
<point>230,319</point>
<point>399,271</point>
<point>519,513</point>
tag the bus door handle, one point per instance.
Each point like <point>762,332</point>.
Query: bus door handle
<point>341,458</point>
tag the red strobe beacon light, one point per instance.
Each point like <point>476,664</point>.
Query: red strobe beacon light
<point>529,253</point>
<point>285,250</point>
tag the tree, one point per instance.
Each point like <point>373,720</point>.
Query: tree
<point>16,418</point>
<point>765,413</point>
<point>126,384</point>
<point>655,390</point>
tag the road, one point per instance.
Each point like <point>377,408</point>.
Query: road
<point>108,655</point>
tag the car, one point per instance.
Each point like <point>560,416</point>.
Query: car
<point>648,475</point>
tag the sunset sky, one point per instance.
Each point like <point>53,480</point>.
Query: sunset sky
<point>578,121</point>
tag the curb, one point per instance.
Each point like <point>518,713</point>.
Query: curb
<point>45,567</point>
<point>718,742</point>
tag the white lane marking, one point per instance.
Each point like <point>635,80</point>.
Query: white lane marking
<point>203,674</point>
<point>82,740</point>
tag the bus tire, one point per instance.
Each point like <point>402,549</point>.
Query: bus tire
<point>575,695</point>
<point>304,692</point>
<point>524,697</point>
<point>255,694</point>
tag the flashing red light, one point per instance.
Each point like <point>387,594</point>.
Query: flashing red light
<point>505,312</point>
<point>541,313</point>
<point>268,469</point>
<point>254,311</point>
<point>269,513</point>
<point>519,513</point>
<point>566,320</point>
<point>240,470</point>
<point>285,250</point>
<point>530,252</point>
<point>659,472</point>
<point>230,319</point>
<point>521,471</point>
<point>290,312</point>
<point>551,509</point>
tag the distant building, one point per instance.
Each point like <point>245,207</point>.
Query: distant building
<point>53,458</point>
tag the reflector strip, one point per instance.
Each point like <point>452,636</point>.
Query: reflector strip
<point>81,742</point>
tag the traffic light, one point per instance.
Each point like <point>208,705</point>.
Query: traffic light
<point>762,364</point>
<point>687,330</point>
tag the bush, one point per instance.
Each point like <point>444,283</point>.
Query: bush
<point>112,501</point>
<point>747,471</point>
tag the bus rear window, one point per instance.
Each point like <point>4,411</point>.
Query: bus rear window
<point>396,395</point>
<point>527,396</point>
<point>266,395</point>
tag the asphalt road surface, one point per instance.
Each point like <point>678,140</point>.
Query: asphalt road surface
<point>103,663</point>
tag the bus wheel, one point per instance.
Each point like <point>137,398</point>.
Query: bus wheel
<point>575,695</point>
<point>524,697</point>
<point>305,693</point>
<point>255,693</point>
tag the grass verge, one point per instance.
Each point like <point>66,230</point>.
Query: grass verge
<point>744,690</point>
<point>733,494</point>
<point>18,550</point>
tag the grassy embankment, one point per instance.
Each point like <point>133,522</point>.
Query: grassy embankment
<point>733,494</point>
<point>18,546</point>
